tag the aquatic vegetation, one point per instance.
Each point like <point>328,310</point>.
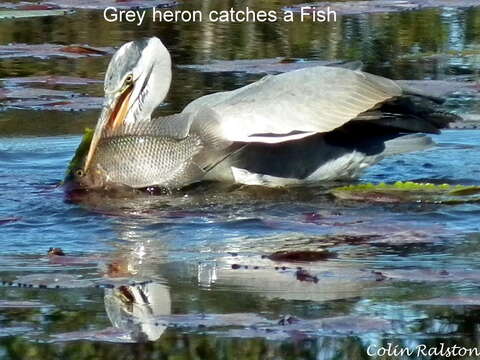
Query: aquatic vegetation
<point>20,14</point>
<point>265,66</point>
<point>21,304</point>
<point>441,88</point>
<point>409,192</point>
<point>47,99</point>
<point>44,51</point>
<point>48,80</point>
<point>433,275</point>
<point>81,151</point>
<point>301,255</point>
<point>16,93</point>
<point>90,4</point>
<point>450,301</point>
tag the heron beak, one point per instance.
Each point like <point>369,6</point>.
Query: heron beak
<point>112,118</point>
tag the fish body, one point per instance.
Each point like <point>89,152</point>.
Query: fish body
<point>142,161</point>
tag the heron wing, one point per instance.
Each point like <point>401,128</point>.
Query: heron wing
<point>296,104</point>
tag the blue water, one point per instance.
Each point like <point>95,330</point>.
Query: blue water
<point>42,217</point>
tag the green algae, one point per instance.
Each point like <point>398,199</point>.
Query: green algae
<point>81,152</point>
<point>409,192</point>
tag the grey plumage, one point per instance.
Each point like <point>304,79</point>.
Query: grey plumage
<point>303,102</point>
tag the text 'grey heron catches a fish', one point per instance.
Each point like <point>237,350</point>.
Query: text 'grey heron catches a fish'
<point>301,127</point>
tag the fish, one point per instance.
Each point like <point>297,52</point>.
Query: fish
<point>167,152</point>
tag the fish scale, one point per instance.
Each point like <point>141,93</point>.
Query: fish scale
<point>141,161</point>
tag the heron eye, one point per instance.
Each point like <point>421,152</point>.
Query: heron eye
<point>129,79</point>
<point>79,173</point>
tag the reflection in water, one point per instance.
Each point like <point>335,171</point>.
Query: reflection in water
<point>134,308</point>
<point>209,290</point>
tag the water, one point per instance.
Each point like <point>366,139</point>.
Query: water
<point>206,252</point>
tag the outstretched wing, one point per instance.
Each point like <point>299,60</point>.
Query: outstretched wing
<point>296,104</point>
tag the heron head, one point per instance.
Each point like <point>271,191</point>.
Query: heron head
<point>136,82</point>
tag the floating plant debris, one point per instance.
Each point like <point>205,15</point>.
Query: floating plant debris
<point>48,80</point>
<point>15,93</point>
<point>427,275</point>
<point>52,281</point>
<point>338,324</point>
<point>441,88</point>
<point>30,13</point>
<point>246,325</point>
<point>450,301</point>
<point>348,324</point>
<point>47,99</point>
<point>111,334</point>
<point>409,192</point>
<point>35,93</point>
<point>80,103</point>
<point>44,51</point>
<point>93,4</point>
<point>55,252</point>
<point>301,255</point>
<point>265,66</point>
<point>14,331</point>
<point>213,320</point>
<point>21,304</point>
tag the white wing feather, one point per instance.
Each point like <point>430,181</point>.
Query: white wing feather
<point>296,104</point>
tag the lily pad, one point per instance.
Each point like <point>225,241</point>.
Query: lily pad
<point>301,255</point>
<point>212,320</point>
<point>48,80</point>
<point>427,275</point>
<point>14,330</point>
<point>342,325</point>
<point>47,99</point>
<point>382,6</point>
<point>469,121</point>
<point>111,334</point>
<point>21,14</point>
<point>334,326</point>
<point>53,281</point>
<point>409,192</point>
<point>264,66</point>
<point>100,4</point>
<point>23,5</point>
<point>44,51</point>
<point>319,281</point>
<point>440,88</point>
<point>80,103</point>
<point>349,325</point>
<point>22,304</point>
<point>33,93</point>
<point>450,301</point>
